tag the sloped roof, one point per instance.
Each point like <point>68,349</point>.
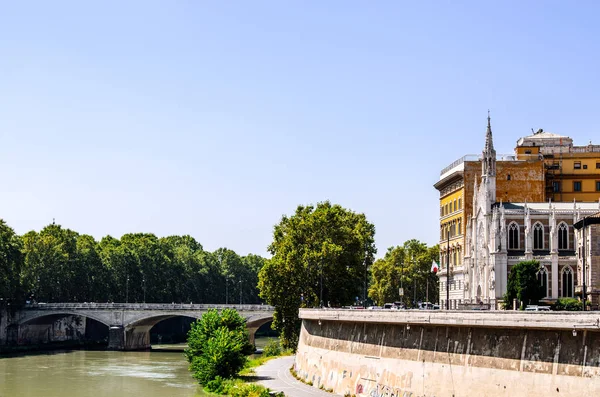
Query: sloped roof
<point>588,220</point>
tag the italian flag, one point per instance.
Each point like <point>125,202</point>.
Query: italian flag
<point>434,267</point>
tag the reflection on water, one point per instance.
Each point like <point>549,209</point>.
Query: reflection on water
<point>97,374</point>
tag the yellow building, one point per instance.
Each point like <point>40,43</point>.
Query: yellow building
<point>544,167</point>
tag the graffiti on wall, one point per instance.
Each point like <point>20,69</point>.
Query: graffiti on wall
<point>385,391</point>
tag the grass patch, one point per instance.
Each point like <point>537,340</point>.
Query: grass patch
<point>236,387</point>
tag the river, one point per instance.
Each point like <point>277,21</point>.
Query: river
<point>82,373</point>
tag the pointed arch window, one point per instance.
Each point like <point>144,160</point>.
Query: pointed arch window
<point>563,236</point>
<point>513,236</point>
<point>538,236</point>
<point>542,277</point>
<point>567,281</point>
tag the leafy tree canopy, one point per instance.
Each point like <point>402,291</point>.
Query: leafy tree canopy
<point>320,251</point>
<point>407,267</point>
<point>523,284</point>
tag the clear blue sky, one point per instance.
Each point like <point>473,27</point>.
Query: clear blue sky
<point>216,118</point>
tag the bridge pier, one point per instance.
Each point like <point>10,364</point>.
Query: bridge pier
<point>116,337</point>
<point>120,338</point>
<point>138,338</point>
<point>252,333</point>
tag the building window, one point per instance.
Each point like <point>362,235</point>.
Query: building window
<point>556,186</point>
<point>585,166</point>
<point>542,277</point>
<point>513,236</point>
<point>538,236</point>
<point>577,186</point>
<point>460,226</point>
<point>563,236</point>
<point>597,165</point>
<point>508,177</point>
<point>459,204</point>
<point>454,205</point>
<point>598,186</point>
<point>567,281</point>
<point>577,165</point>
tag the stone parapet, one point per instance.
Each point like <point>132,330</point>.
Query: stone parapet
<point>466,318</point>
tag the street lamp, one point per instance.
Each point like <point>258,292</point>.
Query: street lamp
<point>365,289</point>
<point>144,283</point>
<point>240,291</point>
<point>127,290</point>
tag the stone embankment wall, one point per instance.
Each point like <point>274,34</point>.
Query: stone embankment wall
<point>371,355</point>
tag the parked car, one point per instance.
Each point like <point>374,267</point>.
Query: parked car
<point>536,308</point>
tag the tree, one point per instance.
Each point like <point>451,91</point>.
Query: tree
<point>51,268</point>
<point>218,345</point>
<point>92,275</point>
<point>11,262</point>
<point>320,257</point>
<point>523,284</point>
<point>407,266</point>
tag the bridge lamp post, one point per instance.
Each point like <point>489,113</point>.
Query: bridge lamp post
<point>226,290</point>
<point>321,293</point>
<point>127,290</point>
<point>144,283</point>
<point>240,291</point>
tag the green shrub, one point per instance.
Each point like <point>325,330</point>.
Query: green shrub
<point>272,348</point>
<point>220,385</point>
<point>217,346</point>
<point>568,304</point>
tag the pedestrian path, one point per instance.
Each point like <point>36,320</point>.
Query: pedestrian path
<point>275,374</point>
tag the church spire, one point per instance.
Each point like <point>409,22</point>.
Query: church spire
<point>488,162</point>
<point>489,143</point>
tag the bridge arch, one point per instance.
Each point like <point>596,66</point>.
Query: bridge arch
<point>40,327</point>
<point>31,317</point>
<point>137,330</point>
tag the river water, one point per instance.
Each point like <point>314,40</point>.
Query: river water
<point>97,374</point>
<point>81,373</point>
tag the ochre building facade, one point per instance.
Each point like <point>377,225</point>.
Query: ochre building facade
<point>547,182</point>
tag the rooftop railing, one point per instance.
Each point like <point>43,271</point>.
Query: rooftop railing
<point>476,157</point>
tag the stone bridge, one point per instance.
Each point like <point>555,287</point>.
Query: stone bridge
<point>129,324</point>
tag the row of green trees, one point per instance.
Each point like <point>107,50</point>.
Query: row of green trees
<point>406,269</point>
<point>58,264</point>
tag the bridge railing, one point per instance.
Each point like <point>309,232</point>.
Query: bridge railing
<point>144,306</point>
